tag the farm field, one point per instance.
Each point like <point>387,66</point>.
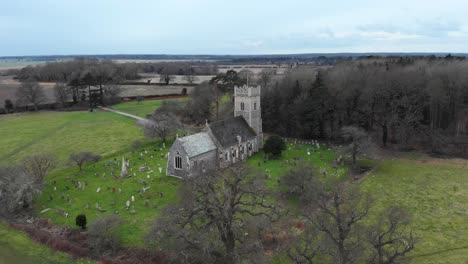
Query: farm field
<point>62,133</point>
<point>142,108</point>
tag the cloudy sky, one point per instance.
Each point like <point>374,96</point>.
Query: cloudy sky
<point>62,27</point>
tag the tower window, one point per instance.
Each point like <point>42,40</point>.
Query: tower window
<point>242,106</point>
<point>178,161</point>
<point>255,106</point>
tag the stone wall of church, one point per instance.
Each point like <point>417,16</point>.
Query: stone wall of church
<point>171,168</point>
<point>203,163</point>
<point>236,153</point>
<point>190,166</point>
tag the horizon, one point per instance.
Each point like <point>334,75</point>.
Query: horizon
<point>337,54</point>
<point>208,27</point>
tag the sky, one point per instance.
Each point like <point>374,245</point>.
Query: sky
<point>77,27</point>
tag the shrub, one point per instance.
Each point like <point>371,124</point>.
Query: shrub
<point>81,221</point>
<point>273,147</point>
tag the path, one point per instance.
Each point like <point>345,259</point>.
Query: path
<point>140,120</point>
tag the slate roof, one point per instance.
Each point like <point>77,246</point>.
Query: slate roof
<point>226,131</point>
<point>197,144</point>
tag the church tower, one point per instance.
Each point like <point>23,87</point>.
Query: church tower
<point>247,104</point>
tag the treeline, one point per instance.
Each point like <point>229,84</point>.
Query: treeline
<point>67,71</point>
<point>402,99</point>
<point>180,68</point>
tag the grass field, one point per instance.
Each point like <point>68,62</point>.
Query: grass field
<point>62,133</point>
<point>436,193</point>
<point>17,247</point>
<point>101,176</point>
<point>142,108</point>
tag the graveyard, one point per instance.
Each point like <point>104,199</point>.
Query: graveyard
<point>139,197</point>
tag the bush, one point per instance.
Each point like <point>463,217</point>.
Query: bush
<point>103,238</point>
<point>273,147</point>
<point>81,221</point>
<point>80,158</point>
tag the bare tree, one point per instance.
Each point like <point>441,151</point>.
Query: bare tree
<point>190,77</point>
<point>391,237</point>
<point>9,106</point>
<point>220,217</point>
<point>80,158</point>
<point>307,246</point>
<point>338,215</point>
<point>61,93</point>
<point>166,75</point>
<point>37,166</point>
<point>112,92</point>
<point>302,182</point>
<point>17,190</point>
<point>359,141</point>
<point>103,235</point>
<point>163,125</point>
<point>30,93</point>
<point>265,77</point>
<point>247,76</point>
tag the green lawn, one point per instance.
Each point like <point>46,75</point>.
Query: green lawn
<point>142,108</point>
<point>436,192</point>
<point>134,225</point>
<point>17,247</point>
<point>62,133</point>
<point>321,159</point>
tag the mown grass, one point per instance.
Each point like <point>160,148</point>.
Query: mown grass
<point>62,133</point>
<point>17,247</point>
<point>435,192</point>
<point>143,108</point>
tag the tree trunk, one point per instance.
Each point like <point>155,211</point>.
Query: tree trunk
<point>384,134</point>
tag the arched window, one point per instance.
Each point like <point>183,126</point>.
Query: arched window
<point>178,161</point>
<point>242,106</point>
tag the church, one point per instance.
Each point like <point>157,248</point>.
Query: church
<point>221,143</point>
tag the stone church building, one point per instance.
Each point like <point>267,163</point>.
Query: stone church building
<point>221,143</point>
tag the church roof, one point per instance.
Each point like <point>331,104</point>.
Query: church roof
<point>226,131</point>
<point>197,144</point>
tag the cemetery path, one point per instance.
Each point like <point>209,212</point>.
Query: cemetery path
<point>140,120</point>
